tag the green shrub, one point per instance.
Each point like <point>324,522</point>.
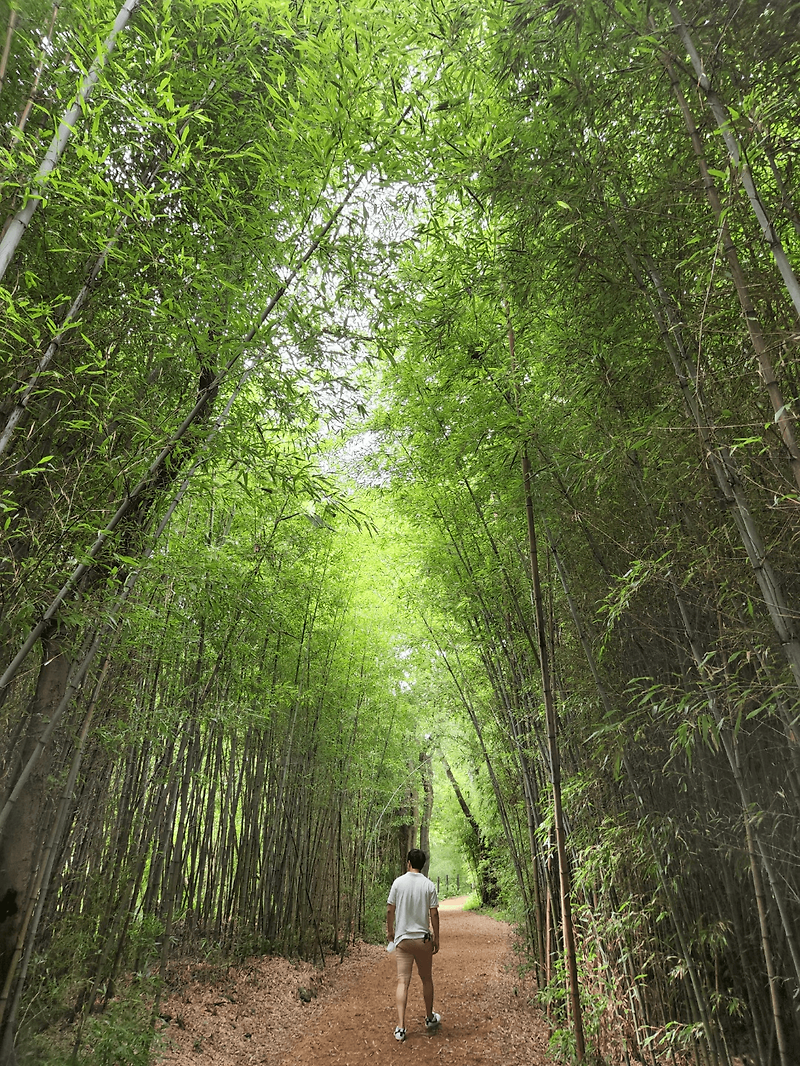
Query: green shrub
<point>121,1034</point>
<point>373,929</point>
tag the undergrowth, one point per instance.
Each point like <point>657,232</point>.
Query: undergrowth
<point>119,1035</point>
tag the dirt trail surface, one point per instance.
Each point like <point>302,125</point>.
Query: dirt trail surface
<point>254,1014</point>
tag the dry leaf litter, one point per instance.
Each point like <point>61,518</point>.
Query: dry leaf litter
<point>275,1012</point>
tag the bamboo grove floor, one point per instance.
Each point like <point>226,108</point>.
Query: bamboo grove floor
<point>253,1014</point>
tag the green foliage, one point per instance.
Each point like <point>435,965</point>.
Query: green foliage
<point>526,265</point>
<point>121,1032</point>
<point>374,922</point>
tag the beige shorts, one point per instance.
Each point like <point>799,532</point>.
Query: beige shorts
<point>411,951</point>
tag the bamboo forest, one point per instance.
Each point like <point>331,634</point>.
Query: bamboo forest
<point>398,447</point>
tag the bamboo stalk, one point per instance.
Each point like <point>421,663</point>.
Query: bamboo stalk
<point>502,808</point>
<point>174,871</point>
<point>731,750</point>
<point>12,21</point>
<point>146,482</point>
<point>724,470</point>
<point>70,319</point>
<point>21,221</point>
<point>30,924</point>
<point>784,419</point>
<point>116,924</point>
<point>700,998</point>
<point>726,128</point>
<point>23,119</point>
<point>555,772</point>
<point>74,684</point>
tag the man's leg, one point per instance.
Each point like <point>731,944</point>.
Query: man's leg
<point>423,954</point>
<point>404,964</point>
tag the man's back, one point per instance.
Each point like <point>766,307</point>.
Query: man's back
<point>412,895</point>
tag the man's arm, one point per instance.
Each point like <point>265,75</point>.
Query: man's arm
<point>435,928</point>
<point>390,920</point>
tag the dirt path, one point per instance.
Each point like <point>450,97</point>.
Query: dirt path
<point>254,1014</point>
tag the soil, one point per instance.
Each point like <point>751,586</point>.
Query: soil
<point>257,1013</point>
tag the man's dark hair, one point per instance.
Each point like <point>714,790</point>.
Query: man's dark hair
<point>417,858</point>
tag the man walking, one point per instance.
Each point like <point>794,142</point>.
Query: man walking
<point>412,904</point>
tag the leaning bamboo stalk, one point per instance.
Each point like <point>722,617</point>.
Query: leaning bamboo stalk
<point>117,924</point>
<point>202,807</point>
<point>700,998</point>
<point>783,417</point>
<point>773,979</point>
<point>23,118</point>
<point>684,939</point>
<point>224,843</point>
<point>730,748</point>
<point>555,768</point>
<point>12,22</point>
<point>175,870</point>
<point>77,677</point>
<point>507,580</point>
<point>725,126</point>
<point>39,893</point>
<point>724,470</point>
<point>71,317</point>
<point>146,481</point>
<point>502,806</point>
<point>303,876</point>
<point>789,716</point>
<point>211,867</point>
<point>66,128</point>
<point>21,404</point>
<point>780,183</point>
<point>746,964</point>
<point>91,648</point>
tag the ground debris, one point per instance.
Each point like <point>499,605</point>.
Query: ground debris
<point>261,1019</point>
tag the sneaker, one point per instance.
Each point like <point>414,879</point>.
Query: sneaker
<point>433,1022</point>
<point>399,1034</point>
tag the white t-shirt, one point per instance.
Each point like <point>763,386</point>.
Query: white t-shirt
<point>413,895</point>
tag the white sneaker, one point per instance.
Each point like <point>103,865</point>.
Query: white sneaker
<point>399,1034</point>
<point>433,1022</point>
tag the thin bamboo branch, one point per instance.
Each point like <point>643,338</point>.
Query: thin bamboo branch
<point>20,221</point>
